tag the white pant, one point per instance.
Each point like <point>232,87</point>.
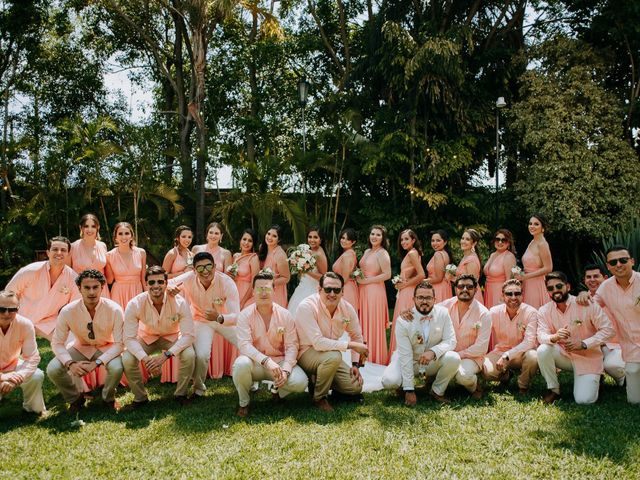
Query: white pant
<point>467,374</point>
<point>202,346</point>
<point>246,371</point>
<point>443,369</point>
<point>632,376</point>
<point>32,399</point>
<point>613,363</point>
<point>585,387</point>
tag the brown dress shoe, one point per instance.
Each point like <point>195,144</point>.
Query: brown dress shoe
<point>77,405</point>
<point>183,400</point>
<point>243,412</point>
<point>323,405</point>
<point>410,399</point>
<point>550,397</point>
<point>477,393</point>
<point>439,398</point>
<point>113,405</point>
<point>523,391</point>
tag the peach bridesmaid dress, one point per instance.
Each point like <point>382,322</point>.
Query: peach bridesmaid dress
<point>180,263</point>
<point>534,290</point>
<point>280,293</point>
<point>404,299</point>
<point>374,311</point>
<point>350,285</point>
<point>96,258</point>
<point>443,288</point>
<point>495,277</point>
<point>127,275</point>
<point>463,269</point>
<point>243,278</point>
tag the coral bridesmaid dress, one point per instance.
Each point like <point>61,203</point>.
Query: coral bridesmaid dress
<point>350,285</point>
<point>243,278</point>
<point>374,310</point>
<point>280,293</point>
<point>443,288</point>
<point>83,258</point>
<point>534,290</point>
<point>126,274</point>
<point>495,277</point>
<point>463,269</point>
<point>404,299</point>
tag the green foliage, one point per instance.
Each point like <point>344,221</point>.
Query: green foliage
<point>628,236</point>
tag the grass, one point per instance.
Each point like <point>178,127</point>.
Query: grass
<point>497,437</point>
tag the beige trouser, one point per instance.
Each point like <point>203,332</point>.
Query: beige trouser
<point>526,362</point>
<point>467,374</point>
<point>585,387</point>
<point>613,363</point>
<point>134,374</point>
<point>443,369</point>
<point>246,371</point>
<point>202,346</point>
<point>330,372</point>
<point>71,386</point>
<point>32,398</point>
<point>632,376</point>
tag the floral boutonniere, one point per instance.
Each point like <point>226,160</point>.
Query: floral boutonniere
<point>280,330</point>
<point>477,325</point>
<point>577,322</point>
<point>346,321</point>
<point>521,326</point>
<point>176,318</point>
<point>64,290</point>
<point>638,301</point>
<point>419,338</point>
<point>218,301</point>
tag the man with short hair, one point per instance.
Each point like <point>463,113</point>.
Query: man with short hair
<point>43,288</point>
<point>97,327</point>
<point>157,322</point>
<point>321,319</point>
<point>472,324</point>
<point>593,277</point>
<point>425,347</point>
<point>215,304</point>
<point>514,326</point>
<point>570,336</point>
<point>19,355</point>
<point>268,345</point>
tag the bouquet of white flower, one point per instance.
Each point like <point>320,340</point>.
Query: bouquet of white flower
<point>357,273</point>
<point>451,269</point>
<point>232,269</point>
<point>396,280</point>
<point>301,259</point>
<point>516,270</point>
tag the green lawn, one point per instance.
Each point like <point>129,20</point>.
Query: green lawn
<point>496,437</point>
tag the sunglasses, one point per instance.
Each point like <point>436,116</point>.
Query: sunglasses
<point>420,298</point>
<point>8,309</point>
<point>557,286</point>
<point>500,240</point>
<point>329,290</point>
<point>465,287</point>
<point>201,268</point>
<point>614,262</point>
<point>512,294</point>
<point>153,282</point>
<point>92,335</point>
<point>264,289</point>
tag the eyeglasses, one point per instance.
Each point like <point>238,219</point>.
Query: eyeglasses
<point>8,309</point>
<point>264,289</point>
<point>201,268</point>
<point>420,298</point>
<point>92,335</point>
<point>557,286</point>
<point>329,290</point>
<point>153,282</point>
<point>465,287</point>
<point>512,294</point>
<point>614,262</point>
<point>500,240</point>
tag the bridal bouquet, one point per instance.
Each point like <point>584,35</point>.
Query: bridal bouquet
<point>451,269</point>
<point>232,270</point>
<point>357,273</point>
<point>301,259</point>
<point>516,270</point>
<point>396,280</point>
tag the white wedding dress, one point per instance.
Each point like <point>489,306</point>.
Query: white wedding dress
<point>307,286</point>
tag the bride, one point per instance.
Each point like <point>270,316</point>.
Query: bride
<point>309,281</point>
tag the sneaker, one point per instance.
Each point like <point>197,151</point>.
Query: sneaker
<point>243,412</point>
<point>323,405</point>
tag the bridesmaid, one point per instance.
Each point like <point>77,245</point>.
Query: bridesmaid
<point>537,263</point>
<point>470,263</point>
<point>411,273</point>
<point>309,282</point>
<point>374,309</point>
<point>179,259</point>
<point>271,255</point>
<point>248,267</point>
<point>126,265</point>
<point>346,264</point>
<point>441,257</point>
<point>498,268</point>
<point>221,256</point>
<point>88,251</point>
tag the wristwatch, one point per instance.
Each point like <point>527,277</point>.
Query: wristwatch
<point>583,345</point>
<point>168,354</point>
<point>99,362</point>
<point>220,319</point>
<point>506,357</point>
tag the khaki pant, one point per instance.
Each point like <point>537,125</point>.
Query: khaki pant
<point>246,371</point>
<point>613,363</point>
<point>32,398</point>
<point>585,387</point>
<point>71,386</point>
<point>467,374</point>
<point>330,371</point>
<point>202,346</point>
<point>443,369</point>
<point>526,362</point>
<point>134,374</point>
<point>632,376</point>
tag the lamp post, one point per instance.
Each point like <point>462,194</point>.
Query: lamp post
<point>500,103</point>
<point>303,91</point>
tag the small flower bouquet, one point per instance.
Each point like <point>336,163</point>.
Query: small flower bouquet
<point>396,280</point>
<point>357,273</point>
<point>267,270</point>
<point>451,269</point>
<point>516,270</point>
<point>190,261</point>
<point>301,259</point>
<point>232,270</point>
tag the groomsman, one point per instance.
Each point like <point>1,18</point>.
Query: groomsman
<point>268,345</point>
<point>570,336</point>
<point>472,324</point>
<point>157,322</point>
<point>425,340</point>
<point>96,325</point>
<point>321,319</point>
<point>514,328</point>
<point>19,355</point>
<point>215,304</point>
<point>43,288</point>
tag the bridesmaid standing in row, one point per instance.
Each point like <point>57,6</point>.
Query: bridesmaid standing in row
<point>470,263</point>
<point>271,255</point>
<point>497,270</point>
<point>346,264</point>
<point>437,263</point>
<point>248,266</point>
<point>179,259</point>
<point>126,265</point>
<point>374,314</point>
<point>88,251</point>
<point>221,256</point>
<point>537,263</point>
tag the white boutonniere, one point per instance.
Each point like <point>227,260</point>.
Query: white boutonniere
<point>280,330</point>
<point>638,301</point>
<point>419,338</point>
<point>521,326</point>
<point>346,321</point>
<point>218,301</point>
<point>176,318</point>
<point>477,325</point>
<point>64,290</point>
<point>577,322</point>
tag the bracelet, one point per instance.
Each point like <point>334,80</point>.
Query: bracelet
<point>70,363</point>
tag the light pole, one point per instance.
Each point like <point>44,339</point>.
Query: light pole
<point>303,91</point>
<point>500,103</point>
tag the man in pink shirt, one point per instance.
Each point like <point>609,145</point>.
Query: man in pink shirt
<point>97,327</point>
<point>514,326</point>
<point>268,345</point>
<point>45,287</point>
<point>570,336</point>
<point>321,319</point>
<point>215,304</point>
<point>472,324</point>
<point>157,322</point>
<point>19,355</point>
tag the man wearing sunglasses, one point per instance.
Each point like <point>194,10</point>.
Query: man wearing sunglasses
<point>472,324</point>
<point>426,340</point>
<point>96,326</point>
<point>215,304</point>
<point>155,322</point>
<point>514,327</point>
<point>570,336</point>
<point>19,355</point>
<point>43,288</point>
<point>268,345</point>
<point>321,319</point>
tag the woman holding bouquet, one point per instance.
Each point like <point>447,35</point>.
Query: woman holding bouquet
<point>221,256</point>
<point>178,259</point>
<point>126,265</point>
<point>272,256</point>
<point>347,264</point>
<point>437,263</point>
<point>537,263</point>
<point>374,309</point>
<point>470,263</point>
<point>309,280</point>
<point>498,268</point>
<point>245,266</point>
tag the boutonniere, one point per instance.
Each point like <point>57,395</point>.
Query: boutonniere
<point>346,321</point>
<point>218,301</point>
<point>419,338</point>
<point>477,325</point>
<point>521,326</point>
<point>176,318</point>
<point>577,322</point>
<point>280,330</point>
<point>64,290</point>
<point>638,301</point>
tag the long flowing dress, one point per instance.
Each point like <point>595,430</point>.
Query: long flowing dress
<point>83,258</point>
<point>404,299</point>
<point>306,287</point>
<point>180,263</point>
<point>280,293</point>
<point>243,278</point>
<point>374,310</point>
<point>442,289</point>
<point>534,290</point>
<point>127,275</point>
<point>463,269</point>
<point>350,285</point>
<point>495,278</point>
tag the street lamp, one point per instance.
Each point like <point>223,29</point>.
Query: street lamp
<point>500,103</point>
<point>303,91</point>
